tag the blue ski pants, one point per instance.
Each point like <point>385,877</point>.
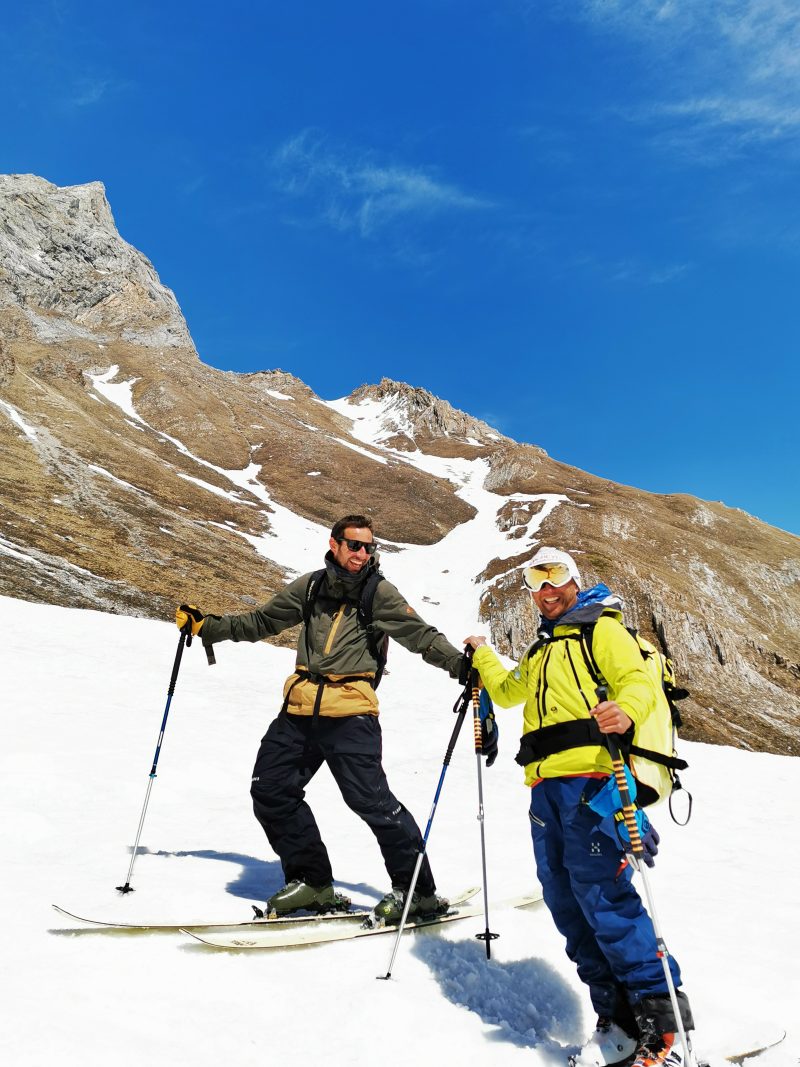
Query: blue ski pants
<point>589,893</point>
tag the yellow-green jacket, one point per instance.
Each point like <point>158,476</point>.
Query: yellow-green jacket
<point>556,686</point>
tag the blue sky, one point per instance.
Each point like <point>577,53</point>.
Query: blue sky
<point>577,219</point>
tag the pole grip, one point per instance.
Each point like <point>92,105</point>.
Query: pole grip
<point>476,714</point>
<point>618,766</point>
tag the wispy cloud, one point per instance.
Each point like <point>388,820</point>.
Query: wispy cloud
<point>194,184</point>
<point>88,92</point>
<point>630,270</point>
<point>736,62</point>
<point>714,129</point>
<point>353,190</point>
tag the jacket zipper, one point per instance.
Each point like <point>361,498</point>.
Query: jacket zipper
<point>543,685</point>
<point>334,628</point>
<point>577,680</point>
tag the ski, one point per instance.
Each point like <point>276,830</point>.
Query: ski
<point>758,1050</point>
<point>271,939</point>
<point>149,927</point>
<point>353,915</point>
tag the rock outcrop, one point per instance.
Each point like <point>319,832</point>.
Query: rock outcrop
<point>64,264</point>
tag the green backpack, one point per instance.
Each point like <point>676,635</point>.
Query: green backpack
<point>649,749</point>
<point>651,753</point>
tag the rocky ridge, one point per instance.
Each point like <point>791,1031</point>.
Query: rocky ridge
<point>64,264</point>
<point>132,472</point>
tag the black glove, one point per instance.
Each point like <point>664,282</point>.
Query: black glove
<point>489,736</point>
<point>465,667</point>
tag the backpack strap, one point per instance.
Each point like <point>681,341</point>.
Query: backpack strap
<point>673,693</point>
<point>315,580</point>
<point>377,641</point>
<point>540,641</point>
<point>586,639</point>
<point>673,762</point>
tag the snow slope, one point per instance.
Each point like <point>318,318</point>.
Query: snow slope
<point>84,698</point>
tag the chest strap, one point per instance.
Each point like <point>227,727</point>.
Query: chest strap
<point>538,744</point>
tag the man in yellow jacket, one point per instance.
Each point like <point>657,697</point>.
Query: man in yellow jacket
<point>584,874</point>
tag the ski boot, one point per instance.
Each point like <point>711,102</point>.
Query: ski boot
<point>389,911</point>
<point>299,896</point>
<point>660,1041</point>
<point>609,1045</point>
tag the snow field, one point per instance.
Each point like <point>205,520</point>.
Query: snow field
<point>85,695</point>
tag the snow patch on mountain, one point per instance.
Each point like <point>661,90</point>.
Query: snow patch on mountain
<point>451,602</point>
<point>291,542</point>
<point>375,420</point>
<point>118,393</point>
<point>18,420</point>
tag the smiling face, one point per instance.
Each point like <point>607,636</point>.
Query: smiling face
<point>345,557</point>
<point>552,601</point>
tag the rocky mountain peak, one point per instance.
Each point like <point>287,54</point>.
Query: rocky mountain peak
<point>64,264</point>
<point>420,418</point>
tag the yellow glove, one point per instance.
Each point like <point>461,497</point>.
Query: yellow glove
<point>191,615</point>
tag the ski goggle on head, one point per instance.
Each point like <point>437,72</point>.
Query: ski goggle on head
<point>555,574</point>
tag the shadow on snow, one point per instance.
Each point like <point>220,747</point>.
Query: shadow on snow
<point>257,879</point>
<point>528,1000</point>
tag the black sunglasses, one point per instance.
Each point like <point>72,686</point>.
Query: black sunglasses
<point>356,546</point>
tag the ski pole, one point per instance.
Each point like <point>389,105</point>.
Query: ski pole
<point>486,936</point>
<point>637,854</point>
<point>185,639</point>
<point>460,707</point>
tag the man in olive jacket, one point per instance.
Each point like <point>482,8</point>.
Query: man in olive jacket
<point>330,715</point>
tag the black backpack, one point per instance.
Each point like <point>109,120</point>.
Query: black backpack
<point>377,641</point>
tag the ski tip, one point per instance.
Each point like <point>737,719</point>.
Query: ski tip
<point>69,914</point>
<point>751,1054</point>
<point>195,937</point>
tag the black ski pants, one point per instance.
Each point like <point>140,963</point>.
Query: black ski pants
<point>292,751</point>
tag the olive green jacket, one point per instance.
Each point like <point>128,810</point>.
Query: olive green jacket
<point>335,644</point>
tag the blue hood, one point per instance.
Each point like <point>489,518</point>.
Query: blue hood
<point>589,607</point>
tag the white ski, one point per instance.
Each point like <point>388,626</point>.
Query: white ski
<point>358,914</point>
<point>271,939</point>
<point>149,927</point>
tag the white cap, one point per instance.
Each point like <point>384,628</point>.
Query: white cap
<point>555,555</point>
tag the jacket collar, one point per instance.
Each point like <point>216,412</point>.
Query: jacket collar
<point>590,605</point>
<point>344,584</point>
